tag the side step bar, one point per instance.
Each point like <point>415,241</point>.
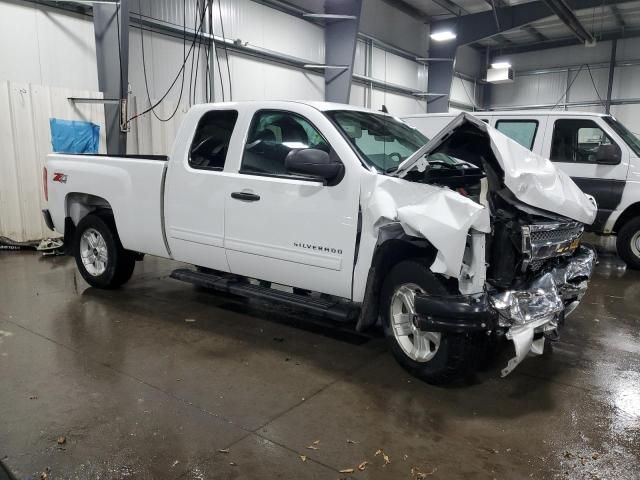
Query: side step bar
<point>332,310</point>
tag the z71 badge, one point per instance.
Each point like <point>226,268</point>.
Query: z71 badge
<point>59,177</point>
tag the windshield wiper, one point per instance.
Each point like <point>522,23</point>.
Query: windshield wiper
<point>391,169</point>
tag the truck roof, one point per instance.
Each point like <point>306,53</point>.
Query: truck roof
<point>511,112</point>
<point>322,106</point>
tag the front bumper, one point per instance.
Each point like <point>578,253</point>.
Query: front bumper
<point>524,315</point>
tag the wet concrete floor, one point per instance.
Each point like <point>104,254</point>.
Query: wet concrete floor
<point>160,380</point>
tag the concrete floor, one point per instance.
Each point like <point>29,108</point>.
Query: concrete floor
<point>158,379</point>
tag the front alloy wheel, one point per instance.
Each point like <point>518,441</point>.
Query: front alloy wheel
<point>93,251</point>
<point>418,345</point>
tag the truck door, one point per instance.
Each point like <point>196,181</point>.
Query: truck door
<point>591,157</point>
<point>195,189</point>
<point>283,228</point>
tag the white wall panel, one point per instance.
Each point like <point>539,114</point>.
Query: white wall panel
<point>358,95</point>
<point>254,79</point>
<point>393,68</point>
<point>360,59</point>
<point>464,91</point>
<point>626,82</point>
<point>397,105</point>
<point>629,116</point>
<point>25,140</point>
<point>42,46</point>
<point>383,21</point>
<point>530,90</point>
<point>163,59</point>
<point>583,88</point>
<point>262,26</point>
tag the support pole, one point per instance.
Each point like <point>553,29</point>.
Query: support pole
<point>341,37</point>
<point>440,75</point>
<point>612,67</point>
<point>111,26</point>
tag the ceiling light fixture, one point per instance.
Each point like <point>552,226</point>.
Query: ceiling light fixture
<point>501,64</point>
<point>443,35</point>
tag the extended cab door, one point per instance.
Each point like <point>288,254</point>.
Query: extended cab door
<point>285,228</point>
<point>574,144</point>
<point>196,185</point>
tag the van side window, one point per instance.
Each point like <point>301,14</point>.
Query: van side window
<point>211,140</point>
<point>522,131</point>
<point>272,135</point>
<point>577,141</point>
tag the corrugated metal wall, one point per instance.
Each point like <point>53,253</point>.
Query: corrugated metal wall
<point>25,140</point>
<point>540,82</point>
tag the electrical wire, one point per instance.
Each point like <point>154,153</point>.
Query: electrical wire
<point>226,52</point>
<point>182,68</point>
<point>568,87</point>
<point>215,51</point>
<point>144,65</point>
<point>594,86</point>
<point>473,103</point>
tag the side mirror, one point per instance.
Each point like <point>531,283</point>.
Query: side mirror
<point>608,154</point>
<point>314,163</point>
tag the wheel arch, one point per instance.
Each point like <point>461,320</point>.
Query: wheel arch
<point>630,212</point>
<point>78,205</point>
<point>393,246</point>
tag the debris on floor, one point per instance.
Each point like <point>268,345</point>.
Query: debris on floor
<point>62,440</point>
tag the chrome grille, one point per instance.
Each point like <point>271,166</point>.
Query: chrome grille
<point>543,241</point>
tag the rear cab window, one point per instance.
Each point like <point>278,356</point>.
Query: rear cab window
<point>522,131</point>
<point>210,143</point>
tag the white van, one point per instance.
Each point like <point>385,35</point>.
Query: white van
<point>599,153</point>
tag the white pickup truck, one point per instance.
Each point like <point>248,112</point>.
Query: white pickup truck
<point>448,243</point>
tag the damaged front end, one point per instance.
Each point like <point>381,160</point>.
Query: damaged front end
<point>525,274</point>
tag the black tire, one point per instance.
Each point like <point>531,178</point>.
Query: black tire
<point>457,356</point>
<point>624,243</point>
<point>120,262</point>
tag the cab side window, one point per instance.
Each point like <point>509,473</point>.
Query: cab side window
<point>272,135</point>
<point>577,141</point>
<point>211,141</point>
<point>522,131</point>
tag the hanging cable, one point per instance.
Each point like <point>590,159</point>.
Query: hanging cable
<point>215,51</point>
<point>144,66</point>
<point>226,52</point>
<point>191,84</point>
<point>594,86</point>
<point>568,87</point>
<point>182,68</point>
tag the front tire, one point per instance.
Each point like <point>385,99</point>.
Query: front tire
<point>101,259</point>
<point>437,358</point>
<point>628,243</point>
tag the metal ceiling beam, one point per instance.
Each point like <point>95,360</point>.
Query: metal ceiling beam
<point>502,39</point>
<point>566,42</point>
<point>616,13</point>
<point>476,26</point>
<point>535,33</point>
<point>451,7</point>
<point>564,13</point>
<point>408,9</point>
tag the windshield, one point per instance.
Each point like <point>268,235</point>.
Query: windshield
<point>629,137</point>
<point>382,141</point>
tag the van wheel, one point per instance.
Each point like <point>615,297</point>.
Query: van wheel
<point>102,260</point>
<point>628,243</point>
<point>435,357</point>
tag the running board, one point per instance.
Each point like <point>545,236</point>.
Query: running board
<point>332,310</point>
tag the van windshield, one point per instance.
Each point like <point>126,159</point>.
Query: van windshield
<point>629,137</point>
<point>382,141</point>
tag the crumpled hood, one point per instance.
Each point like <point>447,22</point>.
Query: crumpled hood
<point>533,179</point>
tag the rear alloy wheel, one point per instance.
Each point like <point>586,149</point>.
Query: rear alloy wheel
<point>628,243</point>
<point>101,259</point>
<point>434,357</point>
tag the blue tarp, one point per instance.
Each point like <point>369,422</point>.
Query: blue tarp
<point>74,136</point>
